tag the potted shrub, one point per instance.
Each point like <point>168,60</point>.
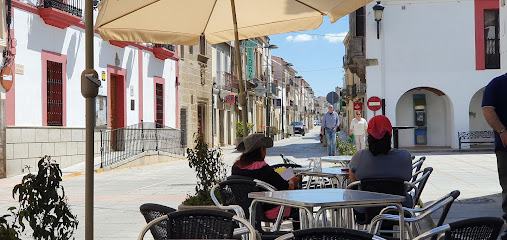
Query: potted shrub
<point>42,204</point>
<point>239,131</point>
<point>210,169</point>
<point>273,131</point>
<point>345,147</point>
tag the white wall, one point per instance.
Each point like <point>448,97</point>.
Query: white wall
<point>33,36</point>
<point>477,120</point>
<point>415,50</point>
<point>437,119</point>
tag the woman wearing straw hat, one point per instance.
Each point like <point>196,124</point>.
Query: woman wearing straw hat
<point>251,164</point>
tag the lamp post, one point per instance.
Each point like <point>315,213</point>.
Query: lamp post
<point>378,9</point>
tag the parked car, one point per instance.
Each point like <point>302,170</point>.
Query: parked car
<point>299,127</point>
<point>316,122</point>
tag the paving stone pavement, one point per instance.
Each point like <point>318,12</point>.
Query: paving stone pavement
<point>119,193</point>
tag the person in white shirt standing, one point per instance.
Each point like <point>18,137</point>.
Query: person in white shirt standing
<point>358,127</point>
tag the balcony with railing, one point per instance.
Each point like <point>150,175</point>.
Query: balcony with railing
<point>346,92</point>
<point>358,90</point>
<point>164,51</point>
<point>355,58</point>
<point>60,13</point>
<point>230,82</point>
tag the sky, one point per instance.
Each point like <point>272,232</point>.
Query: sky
<point>317,54</point>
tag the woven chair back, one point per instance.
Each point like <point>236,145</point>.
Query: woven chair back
<point>482,228</point>
<point>388,186</point>
<point>200,224</point>
<point>151,211</point>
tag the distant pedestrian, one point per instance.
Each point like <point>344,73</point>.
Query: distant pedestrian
<point>330,122</point>
<point>494,108</point>
<point>358,128</point>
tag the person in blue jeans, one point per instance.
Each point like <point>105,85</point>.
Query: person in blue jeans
<point>330,122</point>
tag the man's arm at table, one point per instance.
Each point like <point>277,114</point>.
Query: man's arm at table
<point>493,121</point>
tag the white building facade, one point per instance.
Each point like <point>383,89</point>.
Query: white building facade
<point>432,71</point>
<point>45,108</point>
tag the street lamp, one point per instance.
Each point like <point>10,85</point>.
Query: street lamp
<point>272,46</point>
<point>378,9</point>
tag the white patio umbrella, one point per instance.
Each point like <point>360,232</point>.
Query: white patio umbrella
<point>182,22</point>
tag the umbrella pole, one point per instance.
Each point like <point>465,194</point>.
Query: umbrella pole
<point>242,94</point>
<point>89,89</point>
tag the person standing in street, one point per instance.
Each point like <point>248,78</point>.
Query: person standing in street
<point>358,127</point>
<point>494,108</point>
<point>330,122</point>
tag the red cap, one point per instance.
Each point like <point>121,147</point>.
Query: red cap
<point>379,125</point>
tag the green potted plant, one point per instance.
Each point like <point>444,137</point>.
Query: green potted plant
<point>210,169</point>
<point>273,131</point>
<point>42,204</point>
<point>239,131</point>
<point>345,147</point>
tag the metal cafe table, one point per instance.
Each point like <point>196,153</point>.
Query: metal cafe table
<point>343,159</point>
<point>329,198</point>
<point>331,173</point>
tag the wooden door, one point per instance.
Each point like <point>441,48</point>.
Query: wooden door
<point>117,118</point>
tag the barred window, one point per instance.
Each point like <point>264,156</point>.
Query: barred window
<point>491,39</point>
<point>54,94</point>
<point>159,105</point>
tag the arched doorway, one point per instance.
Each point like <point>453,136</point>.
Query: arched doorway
<point>477,122</point>
<point>430,110</point>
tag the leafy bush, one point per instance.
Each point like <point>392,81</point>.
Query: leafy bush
<point>273,130</point>
<point>239,129</point>
<point>210,169</point>
<point>43,204</point>
<point>9,231</point>
<point>345,147</point>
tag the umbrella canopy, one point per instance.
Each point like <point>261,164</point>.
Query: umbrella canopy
<point>182,22</point>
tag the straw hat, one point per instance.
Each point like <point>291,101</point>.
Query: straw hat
<point>253,142</point>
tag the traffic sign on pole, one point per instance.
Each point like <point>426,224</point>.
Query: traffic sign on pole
<point>332,97</point>
<point>374,103</point>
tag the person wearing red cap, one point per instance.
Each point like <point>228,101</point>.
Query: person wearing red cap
<point>380,160</point>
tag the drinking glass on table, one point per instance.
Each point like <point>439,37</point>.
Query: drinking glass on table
<point>317,164</point>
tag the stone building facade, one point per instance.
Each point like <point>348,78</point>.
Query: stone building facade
<point>195,92</point>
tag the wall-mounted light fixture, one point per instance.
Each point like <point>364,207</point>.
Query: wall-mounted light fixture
<point>378,9</point>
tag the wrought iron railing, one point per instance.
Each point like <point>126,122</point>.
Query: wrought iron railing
<point>360,88</point>
<point>69,6</point>
<point>492,57</point>
<point>119,144</point>
<point>166,46</point>
<point>230,82</point>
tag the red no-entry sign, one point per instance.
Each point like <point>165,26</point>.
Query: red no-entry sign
<point>374,103</point>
